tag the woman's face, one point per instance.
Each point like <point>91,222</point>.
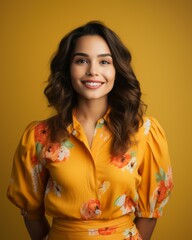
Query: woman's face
<point>92,70</point>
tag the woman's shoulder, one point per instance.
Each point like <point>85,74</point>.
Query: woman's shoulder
<point>150,127</point>
<point>35,125</point>
<point>35,130</point>
<point>152,139</point>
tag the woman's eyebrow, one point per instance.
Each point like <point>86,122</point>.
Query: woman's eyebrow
<point>80,54</point>
<point>105,55</point>
<point>87,55</point>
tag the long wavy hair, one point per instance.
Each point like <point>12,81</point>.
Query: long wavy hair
<point>126,106</point>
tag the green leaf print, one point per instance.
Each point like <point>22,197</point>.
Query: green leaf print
<point>68,144</point>
<point>116,201</point>
<point>133,154</point>
<point>161,176</point>
<point>38,148</point>
<point>120,200</point>
<point>99,125</point>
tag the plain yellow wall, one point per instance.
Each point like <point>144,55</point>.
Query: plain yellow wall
<point>159,35</point>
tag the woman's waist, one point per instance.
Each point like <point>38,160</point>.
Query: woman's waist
<point>100,229</point>
<point>68,225</point>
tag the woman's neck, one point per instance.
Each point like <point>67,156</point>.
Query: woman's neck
<point>91,110</point>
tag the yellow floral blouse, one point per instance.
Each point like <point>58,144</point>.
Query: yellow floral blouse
<point>71,181</point>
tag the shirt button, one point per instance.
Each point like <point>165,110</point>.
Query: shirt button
<point>101,120</point>
<point>74,132</point>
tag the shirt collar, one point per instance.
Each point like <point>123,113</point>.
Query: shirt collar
<point>76,125</point>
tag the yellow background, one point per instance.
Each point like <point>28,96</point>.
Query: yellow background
<point>159,36</point>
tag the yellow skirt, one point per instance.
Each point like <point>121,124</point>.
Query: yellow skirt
<point>117,229</point>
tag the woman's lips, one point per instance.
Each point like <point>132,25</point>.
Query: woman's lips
<point>92,84</point>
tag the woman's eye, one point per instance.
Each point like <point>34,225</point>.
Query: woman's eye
<point>104,62</point>
<point>81,61</point>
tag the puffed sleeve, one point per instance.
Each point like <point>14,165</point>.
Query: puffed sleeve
<point>28,178</point>
<point>155,171</point>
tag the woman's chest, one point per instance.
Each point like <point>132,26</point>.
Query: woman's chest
<point>73,166</point>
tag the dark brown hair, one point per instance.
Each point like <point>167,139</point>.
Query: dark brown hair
<point>124,99</point>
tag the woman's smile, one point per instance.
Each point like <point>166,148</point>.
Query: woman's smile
<point>92,69</point>
<point>91,84</point>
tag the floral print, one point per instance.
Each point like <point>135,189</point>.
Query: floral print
<point>101,123</point>
<point>106,230</point>
<point>41,133</point>
<point>126,203</point>
<point>102,231</point>
<point>125,162</point>
<point>132,233</point>
<point>36,170</point>
<point>146,126</point>
<point>121,161</point>
<point>91,209</point>
<point>55,152</point>
<point>161,193</point>
<point>103,187</point>
<point>82,183</point>
<point>104,134</point>
<point>52,185</point>
<point>47,151</point>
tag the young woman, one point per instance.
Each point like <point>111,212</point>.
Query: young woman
<point>99,167</point>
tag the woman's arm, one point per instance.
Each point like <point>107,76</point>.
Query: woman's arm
<point>145,226</point>
<point>37,229</point>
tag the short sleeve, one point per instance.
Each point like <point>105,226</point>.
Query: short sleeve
<point>28,178</point>
<point>155,171</point>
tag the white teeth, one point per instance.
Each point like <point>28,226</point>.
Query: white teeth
<point>93,84</point>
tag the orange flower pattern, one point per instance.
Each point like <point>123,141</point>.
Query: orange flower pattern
<point>55,152</point>
<point>126,204</point>
<point>161,193</point>
<point>121,161</point>
<point>41,133</point>
<point>106,230</point>
<point>47,151</point>
<point>91,209</point>
<point>102,231</point>
<point>125,162</point>
<point>132,233</point>
<point>115,185</point>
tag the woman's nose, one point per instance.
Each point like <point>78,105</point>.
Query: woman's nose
<point>92,70</point>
